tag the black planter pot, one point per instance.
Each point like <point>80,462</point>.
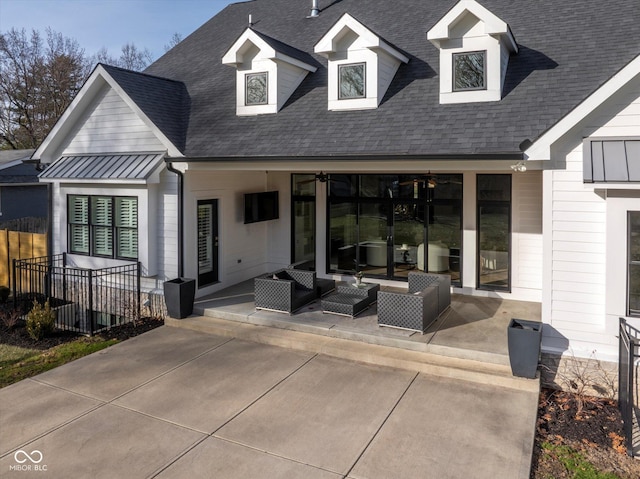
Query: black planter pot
<point>524,347</point>
<point>179,294</point>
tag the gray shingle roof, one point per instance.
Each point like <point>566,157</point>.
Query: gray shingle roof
<point>104,167</point>
<point>567,50</point>
<point>164,101</point>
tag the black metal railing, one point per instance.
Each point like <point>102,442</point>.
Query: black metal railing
<point>629,345</point>
<point>84,300</point>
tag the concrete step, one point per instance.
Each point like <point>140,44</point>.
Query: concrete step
<point>454,364</point>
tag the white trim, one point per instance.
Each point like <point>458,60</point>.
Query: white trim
<point>327,44</point>
<point>493,25</point>
<point>541,148</point>
<point>81,102</point>
<point>235,55</point>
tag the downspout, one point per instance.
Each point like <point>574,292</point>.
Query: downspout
<point>180,217</point>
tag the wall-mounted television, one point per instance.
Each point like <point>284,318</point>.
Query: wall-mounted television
<point>261,206</point>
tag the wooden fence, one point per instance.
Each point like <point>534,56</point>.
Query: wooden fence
<point>18,245</point>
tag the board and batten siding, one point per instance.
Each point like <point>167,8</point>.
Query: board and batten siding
<point>580,246</point>
<point>110,125</point>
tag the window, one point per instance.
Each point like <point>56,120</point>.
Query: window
<point>494,232</point>
<point>633,262</point>
<point>256,88</point>
<point>351,81</point>
<point>104,226</point>
<point>469,71</point>
<point>390,225</point>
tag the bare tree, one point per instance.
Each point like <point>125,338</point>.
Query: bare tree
<point>131,57</point>
<point>175,39</point>
<point>38,81</point>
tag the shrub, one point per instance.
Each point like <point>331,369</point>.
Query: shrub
<point>9,318</point>
<point>4,294</point>
<point>41,320</point>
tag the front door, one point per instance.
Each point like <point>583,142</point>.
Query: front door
<point>207,242</point>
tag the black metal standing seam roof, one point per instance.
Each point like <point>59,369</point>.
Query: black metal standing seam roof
<point>104,167</point>
<point>567,50</point>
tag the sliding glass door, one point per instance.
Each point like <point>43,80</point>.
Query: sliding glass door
<point>388,225</point>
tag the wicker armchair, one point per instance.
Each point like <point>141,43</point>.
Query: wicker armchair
<point>419,281</point>
<point>428,296</point>
<point>285,290</point>
<point>324,286</point>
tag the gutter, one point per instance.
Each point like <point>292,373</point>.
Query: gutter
<point>180,217</point>
<point>514,156</point>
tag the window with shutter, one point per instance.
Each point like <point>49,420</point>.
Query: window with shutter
<point>103,226</point>
<point>127,227</point>
<point>78,214</point>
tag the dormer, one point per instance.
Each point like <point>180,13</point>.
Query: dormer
<point>361,65</point>
<point>267,72</point>
<point>475,46</point>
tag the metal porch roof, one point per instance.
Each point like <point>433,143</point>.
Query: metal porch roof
<point>104,167</point>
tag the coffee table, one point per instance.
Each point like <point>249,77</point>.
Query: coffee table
<point>351,300</point>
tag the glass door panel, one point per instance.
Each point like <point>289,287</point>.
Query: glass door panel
<point>443,246</point>
<point>408,239</point>
<point>373,233</point>
<point>207,242</point>
<point>304,220</point>
<point>343,236</point>
<point>493,245</point>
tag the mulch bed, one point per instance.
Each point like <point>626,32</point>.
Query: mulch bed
<point>592,426</point>
<point>18,336</point>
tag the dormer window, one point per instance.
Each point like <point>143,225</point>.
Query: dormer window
<point>475,46</point>
<point>351,81</point>
<point>469,71</point>
<point>256,92</point>
<point>267,72</point>
<point>361,65</point>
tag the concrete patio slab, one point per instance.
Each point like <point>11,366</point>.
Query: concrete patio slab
<point>481,325</point>
<point>324,415</point>
<point>106,443</point>
<point>114,371</point>
<point>448,429</point>
<point>311,415</point>
<point>29,409</point>
<point>217,458</point>
<point>210,390</point>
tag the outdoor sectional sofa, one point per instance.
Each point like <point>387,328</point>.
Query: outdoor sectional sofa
<point>286,290</point>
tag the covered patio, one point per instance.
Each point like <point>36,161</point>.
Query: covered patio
<point>471,334</point>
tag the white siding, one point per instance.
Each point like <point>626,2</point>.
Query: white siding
<point>110,125</point>
<point>527,234</point>
<point>387,68</point>
<point>585,296</point>
<point>244,250</point>
<point>289,77</point>
<point>167,226</point>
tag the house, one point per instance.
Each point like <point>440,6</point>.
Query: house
<point>22,198</point>
<point>497,141</point>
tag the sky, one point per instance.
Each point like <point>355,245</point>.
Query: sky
<point>111,23</point>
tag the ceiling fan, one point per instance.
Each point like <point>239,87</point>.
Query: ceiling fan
<point>428,180</point>
<point>321,177</point>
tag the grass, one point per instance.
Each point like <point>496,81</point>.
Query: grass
<point>575,463</point>
<point>18,363</point>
